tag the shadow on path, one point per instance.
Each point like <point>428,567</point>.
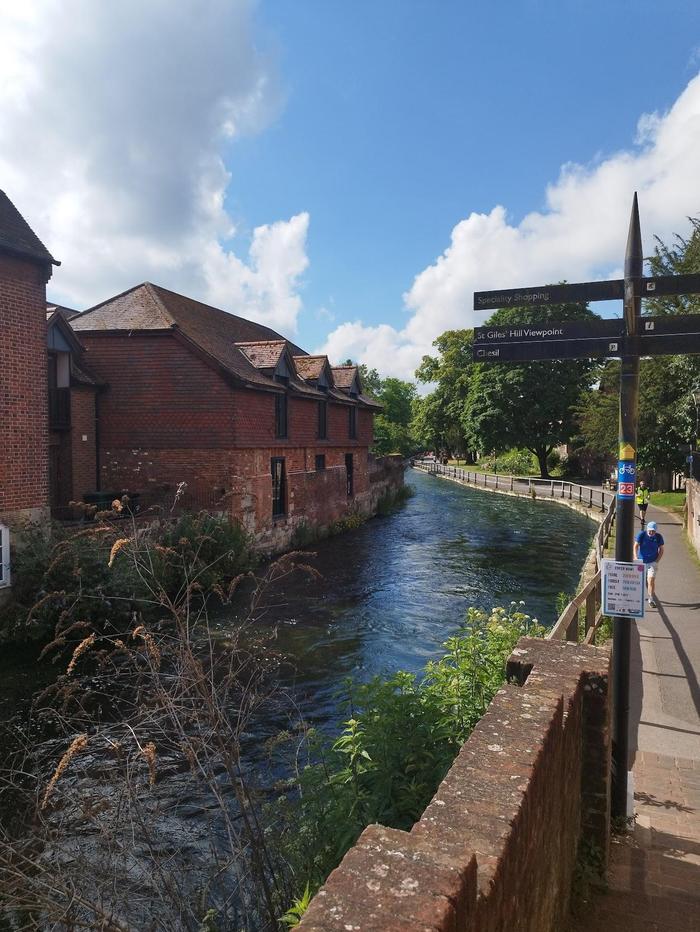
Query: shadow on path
<point>686,663</point>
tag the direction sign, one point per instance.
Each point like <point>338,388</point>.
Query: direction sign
<point>546,331</point>
<point>547,349</point>
<point>658,336</point>
<point>583,292</point>
<point>671,344</point>
<point>670,323</point>
<point>665,285</point>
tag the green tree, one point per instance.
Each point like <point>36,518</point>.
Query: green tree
<point>371,381</point>
<point>530,405</point>
<point>392,428</point>
<point>666,409</point>
<point>397,397</point>
<point>437,418</point>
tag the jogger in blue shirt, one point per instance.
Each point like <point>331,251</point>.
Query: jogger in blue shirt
<point>649,547</point>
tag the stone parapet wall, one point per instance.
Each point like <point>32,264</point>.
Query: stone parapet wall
<point>693,513</point>
<point>497,846</point>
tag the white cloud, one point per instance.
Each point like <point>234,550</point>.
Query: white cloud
<point>114,123</point>
<point>580,236</point>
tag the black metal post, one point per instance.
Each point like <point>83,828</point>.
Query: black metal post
<point>624,539</point>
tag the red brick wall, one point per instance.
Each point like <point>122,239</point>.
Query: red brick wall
<point>159,395</point>
<point>83,451</point>
<point>254,422</point>
<point>167,418</point>
<point>23,386</point>
<point>496,848</point>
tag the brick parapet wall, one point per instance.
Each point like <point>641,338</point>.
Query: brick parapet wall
<point>497,846</point>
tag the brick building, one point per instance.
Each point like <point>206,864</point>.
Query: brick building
<point>243,417</point>
<point>25,268</point>
<point>158,396</point>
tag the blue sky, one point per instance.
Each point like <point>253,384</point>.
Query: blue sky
<point>348,172</point>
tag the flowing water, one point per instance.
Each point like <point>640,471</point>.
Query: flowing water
<point>392,591</point>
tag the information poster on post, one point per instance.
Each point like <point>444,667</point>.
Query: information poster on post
<point>623,588</point>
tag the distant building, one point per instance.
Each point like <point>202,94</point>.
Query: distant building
<point>245,418</point>
<point>159,397</point>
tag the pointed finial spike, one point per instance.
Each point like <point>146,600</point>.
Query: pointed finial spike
<point>634,259</point>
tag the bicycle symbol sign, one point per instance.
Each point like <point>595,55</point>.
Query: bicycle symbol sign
<point>626,472</point>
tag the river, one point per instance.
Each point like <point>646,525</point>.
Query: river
<point>392,591</point>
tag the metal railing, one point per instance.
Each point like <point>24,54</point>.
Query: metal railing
<point>567,626</point>
<point>592,498</point>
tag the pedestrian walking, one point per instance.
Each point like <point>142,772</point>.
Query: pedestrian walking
<point>649,547</point>
<point>642,499</point>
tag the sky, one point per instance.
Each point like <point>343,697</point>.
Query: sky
<point>347,171</point>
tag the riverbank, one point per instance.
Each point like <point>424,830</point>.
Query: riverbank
<point>385,597</point>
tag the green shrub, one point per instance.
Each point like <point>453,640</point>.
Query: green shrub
<point>99,576</point>
<point>402,735</point>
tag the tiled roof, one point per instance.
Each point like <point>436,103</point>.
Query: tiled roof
<point>68,312</point>
<point>263,355</point>
<point>310,367</point>
<point>150,307</point>
<point>17,237</point>
<point>344,376</point>
<point>240,346</point>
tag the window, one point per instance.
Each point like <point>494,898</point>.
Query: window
<point>4,556</point>
<point>320,461</point>
<point>349,469</point>
<point>322,420</point>
<point>281,417</point>
<point>279,491</point>
<point>352,423</point>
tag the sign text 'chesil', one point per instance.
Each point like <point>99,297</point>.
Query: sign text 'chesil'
<point>623,588</point>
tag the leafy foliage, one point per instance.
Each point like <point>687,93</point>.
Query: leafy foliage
<point>437,418</point>
<point>532,404</point>
<point>398,743</point>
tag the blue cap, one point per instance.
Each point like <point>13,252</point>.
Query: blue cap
<point>651,526</point>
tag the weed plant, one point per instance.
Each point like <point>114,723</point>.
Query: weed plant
<point>401,737</point>
<point>149,717</point>
<point>71,576</point>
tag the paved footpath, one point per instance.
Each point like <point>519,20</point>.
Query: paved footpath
<point>654,877</point>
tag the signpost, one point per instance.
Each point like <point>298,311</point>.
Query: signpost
<point>628,338</point>
<point>622,586</point>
